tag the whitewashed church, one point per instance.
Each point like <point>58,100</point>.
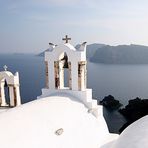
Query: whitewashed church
<point>64,116</point>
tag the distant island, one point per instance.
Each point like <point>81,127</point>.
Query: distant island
<point>121,54</point>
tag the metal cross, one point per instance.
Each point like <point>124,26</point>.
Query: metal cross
<point>66,39</point>
<point>5,67</point>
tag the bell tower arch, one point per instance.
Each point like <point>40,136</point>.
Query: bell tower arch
<point>62,57</point>
<point>60,67</point>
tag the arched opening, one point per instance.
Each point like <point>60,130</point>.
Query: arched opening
<point>63,72</point>
<point>6,92</point>
<point>9,89</point>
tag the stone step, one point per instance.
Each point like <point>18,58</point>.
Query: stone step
<point>92,104</point>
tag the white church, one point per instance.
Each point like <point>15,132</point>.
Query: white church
<point>64,116</point>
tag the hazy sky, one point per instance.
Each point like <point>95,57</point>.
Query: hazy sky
<point>29,25</point>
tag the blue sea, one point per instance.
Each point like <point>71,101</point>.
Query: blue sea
<point>124,82</point>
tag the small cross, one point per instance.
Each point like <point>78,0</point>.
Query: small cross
<point>5,67</point>
<point>66,39</point>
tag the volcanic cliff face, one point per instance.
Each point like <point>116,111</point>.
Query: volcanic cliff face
<point>122,54</point>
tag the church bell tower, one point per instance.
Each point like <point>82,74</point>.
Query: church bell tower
<point>66,57</point>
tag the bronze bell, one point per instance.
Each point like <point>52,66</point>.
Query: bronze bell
<point>65,60</point>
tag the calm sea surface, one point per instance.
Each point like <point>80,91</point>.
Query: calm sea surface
<point>124,82</point>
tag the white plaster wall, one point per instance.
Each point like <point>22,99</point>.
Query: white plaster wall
<point>11,80</point>
<point>82,96</point>
<point>18,96</point>
<point>11,93</point>
<point>51,77</point>
<point>85,97</point>
<point>74,75</point>
<point>45,116</point>
<point>74,56</point>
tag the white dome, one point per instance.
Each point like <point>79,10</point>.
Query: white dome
<point>38,123</point>
<point>134,136</point>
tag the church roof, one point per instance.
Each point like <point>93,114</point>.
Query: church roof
<point>70,46</point>
<point>56,122</point>
<point>134,136</point>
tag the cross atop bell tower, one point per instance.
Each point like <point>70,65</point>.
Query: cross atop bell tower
<point>66,39</point>
<point>5,67</point>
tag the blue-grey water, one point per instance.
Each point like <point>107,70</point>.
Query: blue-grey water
<point>122,81</point>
